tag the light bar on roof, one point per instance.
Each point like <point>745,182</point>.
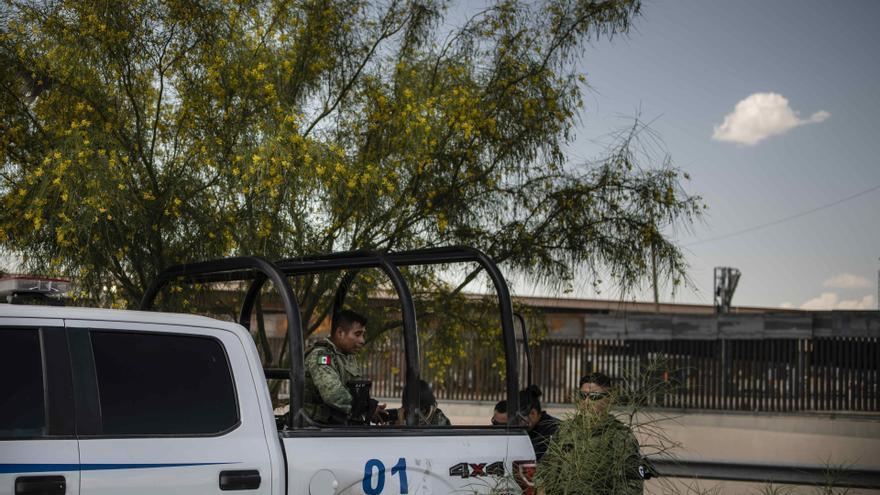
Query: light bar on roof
<point>24,284</point>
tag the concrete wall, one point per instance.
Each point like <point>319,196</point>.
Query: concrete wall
<point>800,325</point>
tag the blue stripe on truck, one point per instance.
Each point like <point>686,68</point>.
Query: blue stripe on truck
<point>45,468</point>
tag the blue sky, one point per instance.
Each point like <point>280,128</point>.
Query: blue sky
<point>686,66</point>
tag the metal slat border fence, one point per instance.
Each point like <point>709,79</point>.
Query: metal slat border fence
<point>767,374</point>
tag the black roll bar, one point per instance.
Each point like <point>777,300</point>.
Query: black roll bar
<point>357,260</point>
<point>342,291</point>
<point>528,350</point>
<point>452,254</point>
<point>428,256</point>
<point>259,270</point>
<point>245,268</point>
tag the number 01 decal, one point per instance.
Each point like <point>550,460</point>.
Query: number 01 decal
<point>399,469</point>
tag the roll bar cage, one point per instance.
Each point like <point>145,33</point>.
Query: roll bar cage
<point>258,270</point>
<point>244,268</point>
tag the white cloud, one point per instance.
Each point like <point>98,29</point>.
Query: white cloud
<point>866,302</point>
<point>830,300</point>
<point>826,301</point>
<point>786,305</point>
<point>847,281</point>
<point>760,116</point>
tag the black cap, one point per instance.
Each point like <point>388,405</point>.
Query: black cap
<point>599,379</point>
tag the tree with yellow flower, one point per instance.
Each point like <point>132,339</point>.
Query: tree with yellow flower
<point>135,135</point>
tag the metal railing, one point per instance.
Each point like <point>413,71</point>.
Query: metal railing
<point>818,374</point>
<point>838,477</point>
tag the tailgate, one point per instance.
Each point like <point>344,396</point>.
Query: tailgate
<point>377,460</point>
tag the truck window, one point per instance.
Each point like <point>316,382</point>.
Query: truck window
<point>22,406</point>
<point>163,384</point>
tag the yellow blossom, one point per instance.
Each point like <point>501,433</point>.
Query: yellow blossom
<point>441,222</point>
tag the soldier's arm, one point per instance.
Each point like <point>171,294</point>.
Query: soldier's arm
<point>328,382</point>
<point>635,464</point>
<point>632,443</point>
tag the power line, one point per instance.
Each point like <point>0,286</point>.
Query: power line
<point>784,219</point>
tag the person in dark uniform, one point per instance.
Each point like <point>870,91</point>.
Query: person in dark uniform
<point>541,426</point>
<point>430,415</point>
<point>499,414</point>
<point>616,440</point>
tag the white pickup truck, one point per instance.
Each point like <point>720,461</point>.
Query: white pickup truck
<point>97,401</point>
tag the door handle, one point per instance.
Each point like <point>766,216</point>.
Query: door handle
<point>240,480</point>
<point>40,485</point>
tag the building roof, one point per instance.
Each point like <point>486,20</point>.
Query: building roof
<point>562,304</point>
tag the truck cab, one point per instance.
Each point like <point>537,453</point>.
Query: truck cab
<point>98,401</point>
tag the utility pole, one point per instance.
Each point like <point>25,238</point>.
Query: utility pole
<point>726,279</point>
<point>654,265</point>
<point>654,277</point>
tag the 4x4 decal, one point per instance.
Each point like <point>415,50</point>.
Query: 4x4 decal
<point>470,470</point>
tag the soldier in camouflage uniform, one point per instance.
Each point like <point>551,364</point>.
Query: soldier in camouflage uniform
<point>330,364</point>
<point>593,452</point>
<point>627,468</point>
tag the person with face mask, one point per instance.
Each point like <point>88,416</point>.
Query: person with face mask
<point>627,469</point>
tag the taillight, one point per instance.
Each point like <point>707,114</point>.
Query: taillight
<point>524,474</point>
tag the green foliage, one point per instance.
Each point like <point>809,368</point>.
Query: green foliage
<point>593,453</point>
<point>833,474</point>
<point>771,489</point>
<point>599,450</point>
<point>140,134</point>
<point>590,454</point>
<point>694,487</point>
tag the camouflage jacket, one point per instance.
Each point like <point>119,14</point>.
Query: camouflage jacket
<point>434,417</point>
<point>326,398</point>
<point>593,455</point>
<point>622,448</point>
